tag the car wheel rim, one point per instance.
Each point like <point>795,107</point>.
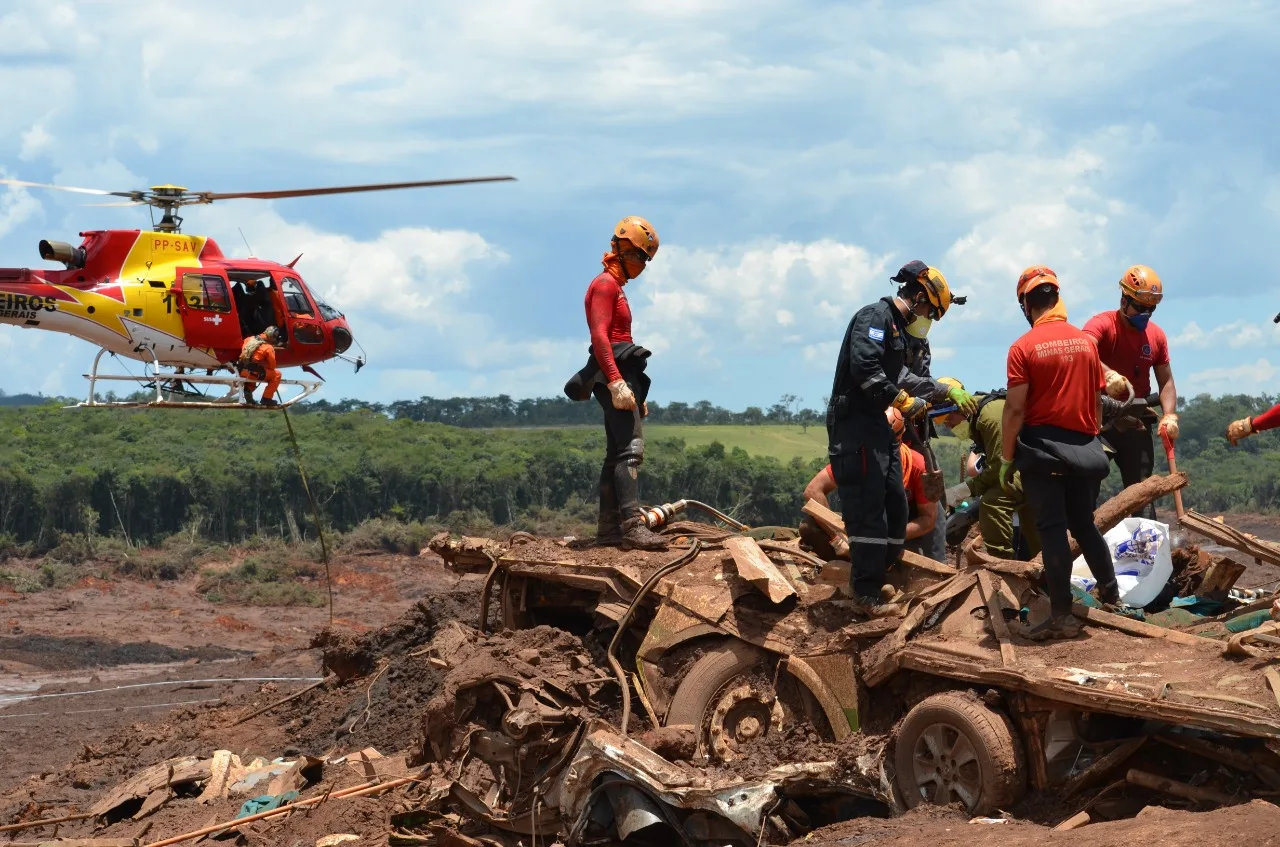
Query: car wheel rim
<point>946,767</point>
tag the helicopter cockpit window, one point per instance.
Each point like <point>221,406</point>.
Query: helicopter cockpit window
<point>327,312</point>
<point>206,292</point>
<point>294,297</point>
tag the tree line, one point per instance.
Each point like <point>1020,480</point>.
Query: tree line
<point>230,475</point>
<point>504,411</point>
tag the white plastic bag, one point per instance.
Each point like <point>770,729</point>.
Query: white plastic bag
<point>1142,568</point>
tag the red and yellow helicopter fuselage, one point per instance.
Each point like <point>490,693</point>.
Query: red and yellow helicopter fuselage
<point>171,299</point>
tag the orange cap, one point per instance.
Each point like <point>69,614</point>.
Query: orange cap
<point>1035,276</point>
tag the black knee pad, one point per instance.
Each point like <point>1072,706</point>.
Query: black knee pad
<point>633,454</point>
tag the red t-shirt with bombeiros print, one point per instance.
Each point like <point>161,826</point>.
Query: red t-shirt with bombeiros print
<point>1059,365</point>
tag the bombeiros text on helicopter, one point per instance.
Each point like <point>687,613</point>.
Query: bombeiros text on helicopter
<point>178,305</point>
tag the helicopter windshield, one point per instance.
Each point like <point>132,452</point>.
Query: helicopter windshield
<point>327,312</point>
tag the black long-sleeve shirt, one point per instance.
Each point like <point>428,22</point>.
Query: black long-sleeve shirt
<point>871,359</point>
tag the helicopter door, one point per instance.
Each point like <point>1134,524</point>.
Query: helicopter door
<point>307,329</point>
<point>208,314</point>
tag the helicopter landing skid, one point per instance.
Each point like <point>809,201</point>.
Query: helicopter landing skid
<point>182,390</point>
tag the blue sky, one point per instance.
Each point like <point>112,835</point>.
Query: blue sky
<point>791,155</point>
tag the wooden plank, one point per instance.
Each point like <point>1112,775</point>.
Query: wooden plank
<point>1102,766</point>
<point>833,523</point>
<point>1031,726</point>
<point>1138,628</point>
<point>1229,536</point>
<point>881,661</point>
<point>758,569</point>
<point>923,657</point>
<point>999,626</point>
<point>1174,788</point>
<point>1076,821</point>
<point>1273,679</point>
<point>823,516</point>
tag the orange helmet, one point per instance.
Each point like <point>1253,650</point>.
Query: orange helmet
<point>639,232</point>
<point>1143,285</point>
<point>897,423</point>
<point>1034,277</point>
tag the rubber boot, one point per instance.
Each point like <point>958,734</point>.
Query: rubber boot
<point>635,534</point>
<point>609,522</point>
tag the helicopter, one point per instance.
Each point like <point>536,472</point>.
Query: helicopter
<point>178,304</point>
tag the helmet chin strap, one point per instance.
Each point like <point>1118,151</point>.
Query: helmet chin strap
<point>626,277</point>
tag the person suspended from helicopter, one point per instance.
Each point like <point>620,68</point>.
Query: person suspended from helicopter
<point>258,362</point>
<point>614,375</point>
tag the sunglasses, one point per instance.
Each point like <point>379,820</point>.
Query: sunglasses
<point>1140,308</point>
<point>637,255</point>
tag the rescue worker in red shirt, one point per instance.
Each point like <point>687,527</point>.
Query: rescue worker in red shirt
<point>258,361</point>
<point>922,513</point>
<point>1131,346</point>
<point>1243,428</point>
<point>615,376</point>
<point>1050,430</point>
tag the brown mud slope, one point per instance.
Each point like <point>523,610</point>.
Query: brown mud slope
<point>1254,824</point>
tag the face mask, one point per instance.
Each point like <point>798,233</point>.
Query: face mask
<point>1138,322</point>
<point>919,327</point>
<point>961,430</point>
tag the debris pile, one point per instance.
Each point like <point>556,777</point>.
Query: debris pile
<point>719,693</point>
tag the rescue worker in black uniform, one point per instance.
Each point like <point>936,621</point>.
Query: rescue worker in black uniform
<point>861,445</point>
<point>917,380</point>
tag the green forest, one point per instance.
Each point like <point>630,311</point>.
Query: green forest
<point>229,476</point>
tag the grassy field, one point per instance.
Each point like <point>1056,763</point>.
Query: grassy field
<point>781,442</point>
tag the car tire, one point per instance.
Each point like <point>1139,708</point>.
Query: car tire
<point>953,748</point>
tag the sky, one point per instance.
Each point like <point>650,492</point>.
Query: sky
<point>791,155</point>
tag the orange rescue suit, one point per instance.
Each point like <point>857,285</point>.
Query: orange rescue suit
<point>258,350</point>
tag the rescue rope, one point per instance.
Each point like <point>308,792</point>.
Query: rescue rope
<point>315,513</point>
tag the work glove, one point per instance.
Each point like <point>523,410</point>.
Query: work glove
<point>1118,387</point>
<point>1008,476</point>
<point>1168,427</point>
<point>622,396</point>
<point>1242,428</point>
<point>911,407</point>
<point>966,402</point>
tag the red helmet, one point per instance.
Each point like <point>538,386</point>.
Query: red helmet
<point>1034,277</point>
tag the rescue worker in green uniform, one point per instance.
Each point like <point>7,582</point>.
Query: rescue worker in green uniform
<point>995,514</point>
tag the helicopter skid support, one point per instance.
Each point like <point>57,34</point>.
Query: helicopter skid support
<point>181,390</point>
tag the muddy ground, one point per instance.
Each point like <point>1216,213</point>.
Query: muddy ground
<point>155,672</point>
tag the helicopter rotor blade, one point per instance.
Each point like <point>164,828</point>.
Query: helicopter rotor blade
<point>25,184</point>
<point>105,205</point>
<point>210,196</point>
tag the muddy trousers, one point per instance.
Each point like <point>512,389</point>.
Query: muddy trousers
<point>1135,456</point>
<point>873,503</point>
<point>1062,503</point>
<point>623,455</point>
<point>995,522</point>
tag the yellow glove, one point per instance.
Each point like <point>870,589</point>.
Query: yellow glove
<point>1169,426</point>
<point>911,407</point>
<point>1118,387</point>
<point>1242,428</point>
<point>622,397</point>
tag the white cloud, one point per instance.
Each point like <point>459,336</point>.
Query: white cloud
<point>773,297</point>
<point>34,142</point>
<point>1235,335</point>
<point>1236,379</point>
<point>17,206</point>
